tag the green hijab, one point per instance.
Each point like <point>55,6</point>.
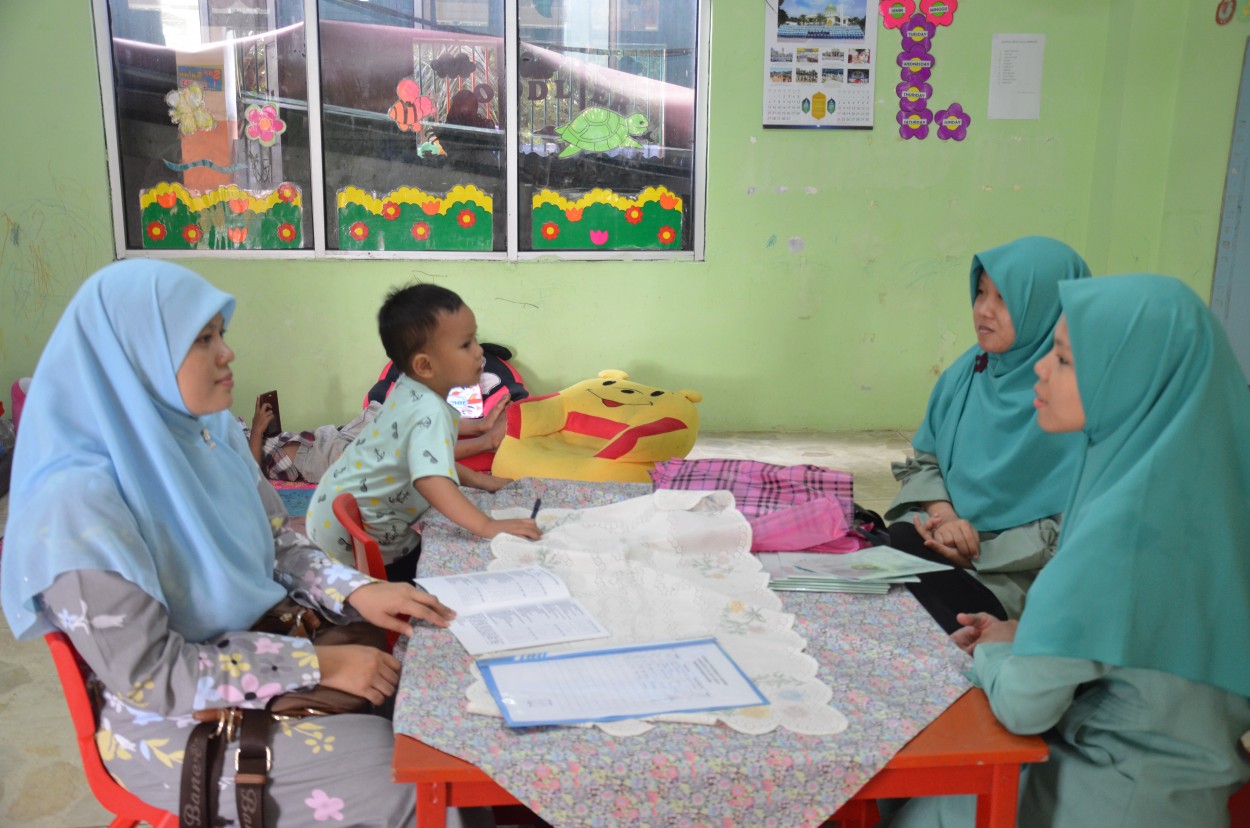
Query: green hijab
<point>999,468</point>
<point>1153,566</point>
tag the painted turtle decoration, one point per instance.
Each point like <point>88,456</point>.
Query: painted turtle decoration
<point>600,130</point>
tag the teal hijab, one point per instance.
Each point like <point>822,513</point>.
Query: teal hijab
<point>1153,566</point>
<point>999,468</point>
<point>111,472</point>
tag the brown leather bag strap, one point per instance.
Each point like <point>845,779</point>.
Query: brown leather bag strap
<point>252,764</point>
<point>201,768</point>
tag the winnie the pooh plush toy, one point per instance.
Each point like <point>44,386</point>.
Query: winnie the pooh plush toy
<point>607,428</point>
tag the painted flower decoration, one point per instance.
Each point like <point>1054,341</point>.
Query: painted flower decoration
<point>573,214</point>
<point>667,235</point>
<point>466,219</point>
<point>917,65</point>
<point>286,232</point>
<point>167,200</point>
<point>325,806</point>
<point>238,205</point>
<point>420,231</point>
<point>633,214</point>
<point>914,124</point>
<point>287,192</point>
<point>358,231</point>
<point>550,231</point>
<point>912,97</point>
<point>390,211</point>
<point>263,124</point>
<point>598,237</point>
<point>918,32</point>
<point>192,233</point>
<point>953,122</point>
<point>431,207</point>
<point>157,231</point>
<point>939,12</point>
<point>238,235</point>
<point>894,13</point>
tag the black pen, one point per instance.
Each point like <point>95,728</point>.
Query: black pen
<point>538,501</point>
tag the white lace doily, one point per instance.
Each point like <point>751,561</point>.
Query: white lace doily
<point>675,565</point>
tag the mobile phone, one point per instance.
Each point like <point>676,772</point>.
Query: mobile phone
<point>275,425</point>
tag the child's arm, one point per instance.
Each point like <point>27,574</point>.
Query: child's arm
<point>444,495</point>
<point>485,434</point>
<point>480,480</point>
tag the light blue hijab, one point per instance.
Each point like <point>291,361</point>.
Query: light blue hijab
<point>1153,565</point>
<point>1000,469</point>
<point>112,473</point>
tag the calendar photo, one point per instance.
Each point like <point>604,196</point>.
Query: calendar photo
<point>820,60</point>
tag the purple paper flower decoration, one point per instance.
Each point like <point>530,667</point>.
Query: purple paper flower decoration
<point>939,12</point>
<point>917,66</point>
<point>914,124</point>
<point>913,97</point>
<point>894,13</point>
<point>953,122</point>
<point>918,33</point>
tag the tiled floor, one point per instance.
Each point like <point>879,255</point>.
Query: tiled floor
<point>41,780</point>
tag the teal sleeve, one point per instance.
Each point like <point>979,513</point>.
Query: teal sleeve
<point>1029,694</point>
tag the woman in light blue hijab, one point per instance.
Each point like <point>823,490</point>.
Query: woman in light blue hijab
<point>986,485</point>
<point>140,527</point>
<point>1132,653</point>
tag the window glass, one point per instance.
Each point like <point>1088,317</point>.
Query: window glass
<point>212,124</point>
<point>413,125</point>
<point>606,120</point>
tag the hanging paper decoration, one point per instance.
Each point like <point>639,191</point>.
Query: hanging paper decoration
<point>953,122</point>
<point>411,108</point>
<point>916,61</point>
<point>227,218</point>
<point>187,109</point>
<point>604,220</point>
<point>409,219</point>
<point>263,124</point>
<point>601,130</point>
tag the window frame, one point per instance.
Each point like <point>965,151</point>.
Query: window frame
<point>315,197</point>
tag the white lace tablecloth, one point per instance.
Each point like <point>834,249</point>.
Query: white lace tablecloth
<point>890,668</point>
<point>674,565</point>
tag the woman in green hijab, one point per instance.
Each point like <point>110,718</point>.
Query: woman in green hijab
<point>1132,653</point>
<point>986,485</point>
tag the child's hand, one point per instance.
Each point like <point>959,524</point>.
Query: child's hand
<point>262,417</point>
<point>522,527</point>
<point>982,628</point>
<point>495,424</point>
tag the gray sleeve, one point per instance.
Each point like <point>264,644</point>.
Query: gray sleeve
<point>123,635</point>
<point>1029,694</point>
<point>1024,548</point>
<point>921,481</point>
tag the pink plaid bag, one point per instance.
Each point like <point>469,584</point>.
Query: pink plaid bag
<point>790,508</point>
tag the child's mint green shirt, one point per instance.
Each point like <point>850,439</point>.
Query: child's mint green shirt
<point>414,436</point>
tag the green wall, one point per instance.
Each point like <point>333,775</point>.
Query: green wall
<point>834,288</point>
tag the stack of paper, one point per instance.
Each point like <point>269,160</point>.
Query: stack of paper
<point>869,570</point>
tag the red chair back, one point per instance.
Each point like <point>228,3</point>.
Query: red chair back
<point>368,555</point>
<point>128,808</point>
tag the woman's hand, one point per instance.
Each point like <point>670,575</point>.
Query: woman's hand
<point>362,671</point>
<point>386,605</point>
<point>982,628</point>
<point>955,538</point>
<point>261,417</point>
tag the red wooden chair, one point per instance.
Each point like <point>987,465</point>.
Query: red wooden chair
<point>368,555</point>
<point>129,810</point>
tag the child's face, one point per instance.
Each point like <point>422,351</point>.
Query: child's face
<point>204,378</point>
<point>452,357</point>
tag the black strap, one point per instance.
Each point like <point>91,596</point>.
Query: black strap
<point>252,764</point>
<point>201,768</point>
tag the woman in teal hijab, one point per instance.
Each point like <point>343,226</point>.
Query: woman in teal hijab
<point>986,486</point>
<point>1131,655</point>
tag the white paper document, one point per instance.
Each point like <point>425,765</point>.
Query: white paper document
<point>1016,76</point>
<point>617,683</point>
<point>512,608</point>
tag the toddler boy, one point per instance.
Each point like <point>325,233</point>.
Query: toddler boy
<point>404,462</point>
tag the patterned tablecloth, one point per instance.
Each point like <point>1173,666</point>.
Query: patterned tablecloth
<point>891,669</point>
